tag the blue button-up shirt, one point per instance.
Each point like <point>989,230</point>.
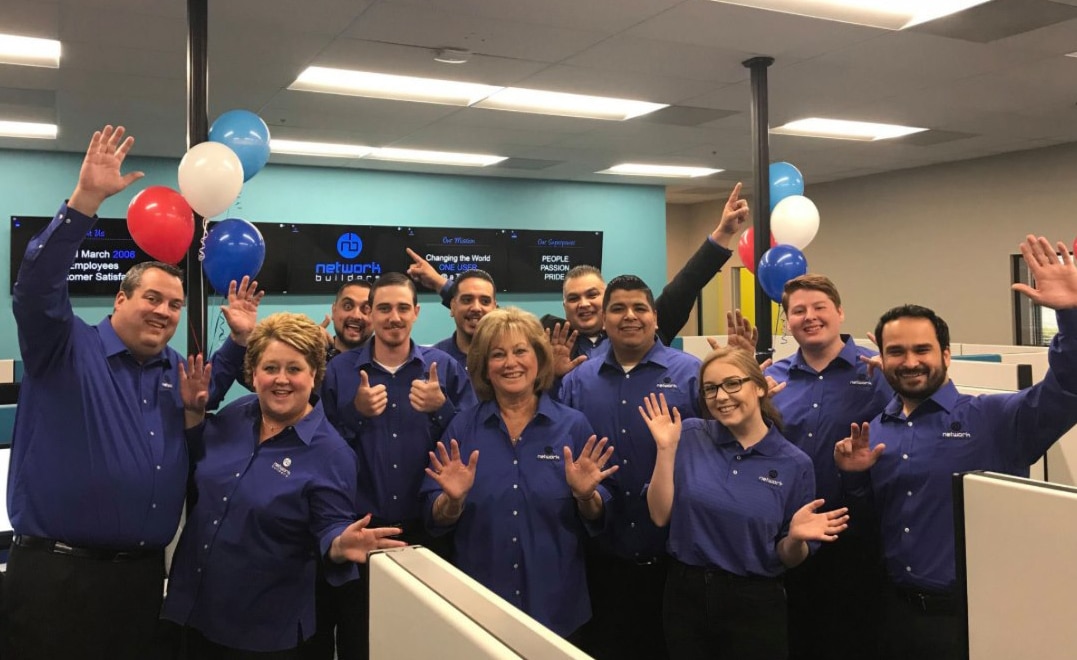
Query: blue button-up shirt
<point>98,456</point>
<point>592,349</point>
<point>394,446</point>
<point>520,533</point>
<point>952,432</point>
<point>448,345</point>
<point>261,515</point>
<point>817,408</point>
<point>610,399</point>
<point>732,505</point>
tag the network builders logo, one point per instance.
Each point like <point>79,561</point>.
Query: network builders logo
<point>349,247</point>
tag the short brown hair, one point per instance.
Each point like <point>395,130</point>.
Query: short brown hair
<point>810,282</point>
<point>495,325</point>
<point>746,362</point>
<point>295,330</point>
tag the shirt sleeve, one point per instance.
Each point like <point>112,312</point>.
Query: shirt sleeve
<point>227,364</point>
<point>333,509</point>
<point>40,301</point>
<point>446,293</point>
<point>678,297</point>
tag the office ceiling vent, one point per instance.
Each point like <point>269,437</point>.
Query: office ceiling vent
<point>527,163</point>
<point>683,115</point>
<point>999,19</point>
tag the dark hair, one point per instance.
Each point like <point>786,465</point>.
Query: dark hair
<point>626,283</point>
<point>470,274</point>
<point>133,278</point>
<point>363,284</point>
<point>747,363</point>
<point>394,279</point>
<point>942,331</point>
<point>810,282</point>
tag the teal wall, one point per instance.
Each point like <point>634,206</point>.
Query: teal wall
<point>631,217</point>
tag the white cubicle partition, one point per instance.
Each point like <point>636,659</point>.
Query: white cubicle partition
<point>423,607</point>
<point>1020,541</point>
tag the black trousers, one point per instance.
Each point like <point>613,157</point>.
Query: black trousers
<point>710,613</point>
<point>921,627</point>
<point>183,643</point>
<point>626,608</point>
<point>835,601</point>
<point>63,606</point>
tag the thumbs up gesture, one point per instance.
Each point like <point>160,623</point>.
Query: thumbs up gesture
<point>370,400</point>
<point>426,395</point>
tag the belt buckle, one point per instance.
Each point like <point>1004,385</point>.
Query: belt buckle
<point>61,548</point>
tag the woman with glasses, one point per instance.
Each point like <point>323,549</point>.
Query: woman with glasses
<point>738,499</point>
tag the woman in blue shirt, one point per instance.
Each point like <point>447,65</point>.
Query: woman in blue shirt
<point>520,517</point>
<point>738,499</point>
<point>274,491</point>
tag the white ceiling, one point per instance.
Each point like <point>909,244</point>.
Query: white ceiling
<point>991,80</point>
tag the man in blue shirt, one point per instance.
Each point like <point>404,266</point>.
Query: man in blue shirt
<point>99,463</point>
<point>929,431</point>
<point>834,595</point>
<point>350,317</point>
<point>471,297</point>
<point>626,569</point>
<point>391,400</point>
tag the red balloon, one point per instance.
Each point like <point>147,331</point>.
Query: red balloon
<point>162,223</point>
<point>746,248</point>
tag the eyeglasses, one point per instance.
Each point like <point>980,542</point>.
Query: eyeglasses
<point>730,385</point>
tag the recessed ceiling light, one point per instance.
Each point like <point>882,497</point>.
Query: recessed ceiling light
<point>25,129</point>
<point>435,157</point>
<point>452,55</point>
<point>887,14</point>
<point>329,149</point>
<point>670,171</point>
<point>29,51</point>
<point>841,129</point>
<point>566,105</point>
<point>386,86</point>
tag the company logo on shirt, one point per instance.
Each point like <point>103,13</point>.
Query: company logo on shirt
<point>667,384</point>
<point>283,469</point>
<point>956,432</point>
<point>548,454</point>
<point>165,385</point>
<point>771,478</point>
<point>861,383</point>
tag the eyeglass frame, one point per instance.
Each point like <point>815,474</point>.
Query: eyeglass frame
<point>736,383</point>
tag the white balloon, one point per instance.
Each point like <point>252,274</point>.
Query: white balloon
<point>210,178</point>
<point>794,221</point>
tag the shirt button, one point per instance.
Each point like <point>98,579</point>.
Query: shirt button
<point>623,402</point>
<point>628,494</point>
<point>820,378</point>
<point>394,497</point>
<point>908,569</point>
<point>909,423</point>
<point>215,522</point>
<point>393,406</point>
<point>205,547</point>
<point>627,376</point>
<point>141,543</point>
<point>516,566</point>
<point>225,498</point>
<point>154,505</point>
<point>815,405</point>
<point>734,471</point>
<point>738,458</point>
<point>906,530</point>
<point>237,475</point>
<point>905,456</point>
<point>198,570</point>
<point>515,462</point>
<point>632,525</point>
<point>909,493</point>
<point>145,401</point>
<point>515,513</point>
<point>514,539</point>
<point>394,466</point>
<point>623,431</point>
<point>158,467</point>
<point>514,486</point>
<point>152,433</point>
<point>811,435</point>
<point>394,435</point>
<point>517,592</point>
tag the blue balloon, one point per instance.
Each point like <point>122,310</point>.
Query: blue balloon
<point>245,133</point>
<point>234,248</point>
<point>780,264</point>
<point>785,181</point>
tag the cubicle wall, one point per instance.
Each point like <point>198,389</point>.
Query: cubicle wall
<point>1016,544</point>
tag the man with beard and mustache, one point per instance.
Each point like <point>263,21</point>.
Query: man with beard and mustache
<point>929,431</point>
<point>350,316</point>
<point>473,296</point>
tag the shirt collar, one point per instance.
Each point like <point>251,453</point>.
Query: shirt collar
<point>944,398</point>
<point>489,410</point>
<point>366,353</point>
<point>848,354</point>
<point>657,355</point>
<point>307,427</point>
<point>770,445</point>
<point>115,346</point>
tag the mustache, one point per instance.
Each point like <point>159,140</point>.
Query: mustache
<point>919,371</point>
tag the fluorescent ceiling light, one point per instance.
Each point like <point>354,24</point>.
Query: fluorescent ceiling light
<point>566,105</point>
<point>29,51</point>
<point>435,157</point>
<point>887,14</point>
<point>386,86</point>
<point>329,149</point>
<point>25,129</point>
<point>670,171</point>
<point>844,130</point>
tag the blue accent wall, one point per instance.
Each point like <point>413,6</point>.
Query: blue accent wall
<point>631,217</point>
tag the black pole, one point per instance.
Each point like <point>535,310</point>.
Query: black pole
<point>761,196</point>
<point>197,132</point>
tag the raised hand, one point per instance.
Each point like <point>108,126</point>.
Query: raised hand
<point>241,312</point>
<point>1055,278</point>
<point>453,475</point>
<point>734,215</point>
<point>875,363</point>
<point>422,272</point>
<point>370,401</point>
<point>740,332</point>
<point>854,453</point>
<point>562,340</point>
<point>589,469</point>
<point>665,427</point>
<point>358,540</point>
<point>194,384</point>
<point>100,176</point>
<point>326,322</point>
<point>426,395</point>
<point>807,525</point>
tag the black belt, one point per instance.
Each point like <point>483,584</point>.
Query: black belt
<point>713,573</point>
<point>103,554</point>
<point>927,602</point>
